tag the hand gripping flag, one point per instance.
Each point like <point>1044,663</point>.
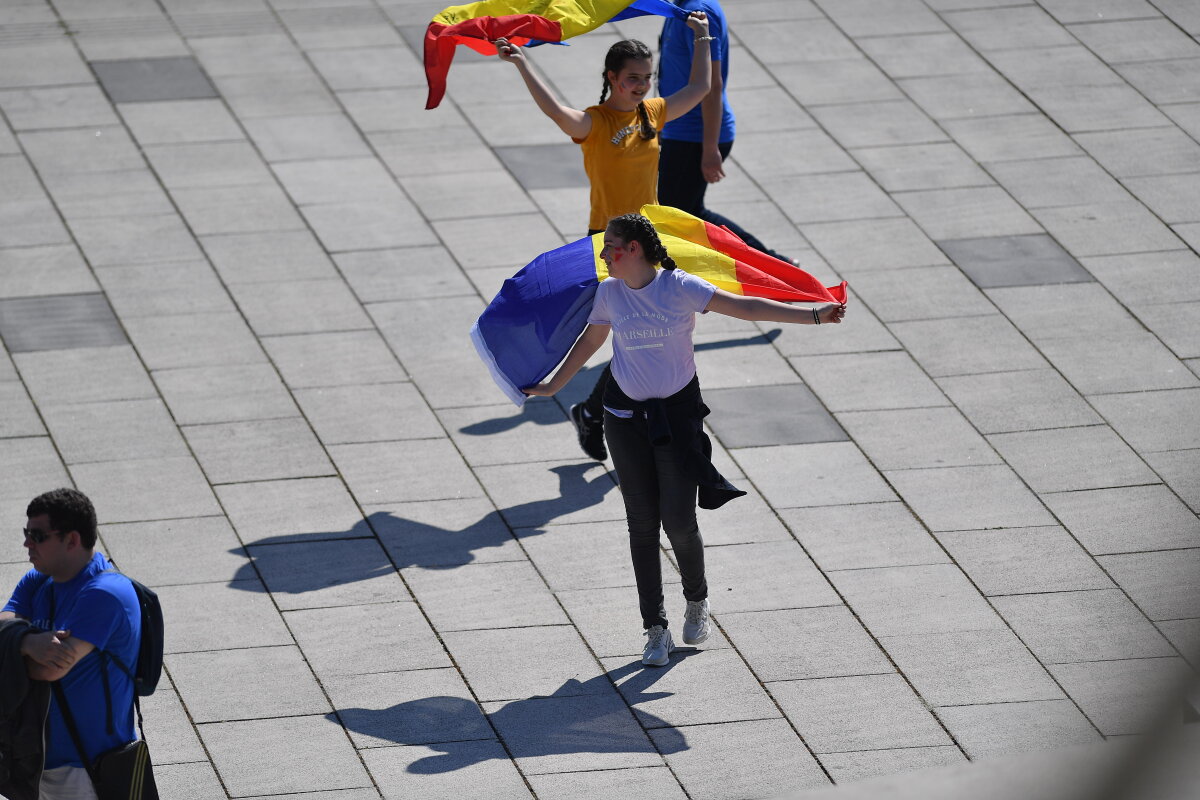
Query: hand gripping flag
<point>477,25</point>
<point>533,322</point>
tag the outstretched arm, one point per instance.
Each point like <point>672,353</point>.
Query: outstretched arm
<point>700,78</point>
<point>758,309</point>
<point>573,122</point>
<point>593,337</point>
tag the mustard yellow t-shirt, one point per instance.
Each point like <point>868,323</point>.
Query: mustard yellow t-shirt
<point>621,165</point>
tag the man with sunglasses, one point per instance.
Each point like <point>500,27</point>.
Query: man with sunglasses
<point>81,609</point>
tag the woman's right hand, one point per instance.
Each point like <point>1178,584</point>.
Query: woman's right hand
<point>698,22</point>
<point>508,52</point>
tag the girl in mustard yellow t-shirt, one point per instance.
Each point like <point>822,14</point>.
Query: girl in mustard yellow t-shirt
<point>619,136</point>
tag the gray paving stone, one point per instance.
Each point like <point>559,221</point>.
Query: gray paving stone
<point>857,713</point>
<point>855,246</point>
<point>367,226</point>
<point>971,667</point>
<point>334,359</point>
<point>251,683</point>
<point>967,345</point>
<point>1087,363</point>
<point>134,239</point>
<point>544,166</point>
<point>967,213</point>
<point>403,641</point>
<point>1161,583</point>
<point>446,772</point>
<point>911,167</point>
<point>416,707</point>
<point>443,533</point>
<point>1121,697</point>
<point>762,758</point>
<point>151,290</point>
<point>770,415</point>
<point>1185,635</point>
<point>1008,28</point>
<point>58,322</point>
<point>833,473</point>
<point>868,382</point>
<point>380,275</point>
<point>795,644</point>
<point>729,362</point>
<point>221,616</point>
<point>532,495</point>
<point>1044,183</point>
<point>317,306</point>
<point>460,195</point>
<point>1124,520</point>
<point>1015,401</point>
<point>910,56</point>
<point>308,136</point>
<point>415,151</point>
<point>862,536</point>
<point>878,124</point>
<point>194,165</point>
<point>484,596</point>
<point>1175,325</point>
<point>418,469</point>
<point>46,270</point>
<point>275,95</point>
<point>275,755</point>
<point>198,395</point>
<point>149,79</point>
<point>18,417</point>
<point>56,107</point>
<point>1166,81</point>
<point>236,209</point>
<point>737,581</point>
<point>920,293</point>
<point>198,780</point>
<point>976,94</point>
<point>497,241</point>
<point>996,729</point>
<point>900,601</point>
<point>48,63</point>
<point>146,489</point>
<point>593,555</point>
<point>1168,196</point>
<point>786,41</point>
<point>1024,560</point>
<point>79,150</point>
<point>1136,40</point>
<point>495,435</point>
<point>320,574</point>
<point>180,122</point>
<point>364,67</point>
<point>175,551</point>
<point>496,663</point>
<point>1152,421</point>
<point>748,520</point>
<point>854,766</point>
<point>830,197</point>
<point>1011,137</point>
<point>917,438</point>
<point>258,450</point>
<point>305,509</point>
<point>175,740</point>
<point>1015,261</point>
<point>609,620</point>
<point>660,697</point>
<point>1072,458</point>
<point>1046,313</point>
<point>373,413</point>
<point>259,53</point>
<point>1180,470</point>
<point>853,80</point>
<point>120,430</point>
<point>969,498</point>
<point>1068,11</point>
<point>335,180</point>
<point>1135,153</point>
<point>1065,627</point>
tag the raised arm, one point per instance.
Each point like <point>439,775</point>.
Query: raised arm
<point>758,309</point>
<point>592,339</point>
<point>573,122</point>
<point>712,109</point>
<point>700,78</point>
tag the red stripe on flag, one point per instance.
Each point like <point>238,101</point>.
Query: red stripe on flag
<point>755,268</point>
<point>478,34</point>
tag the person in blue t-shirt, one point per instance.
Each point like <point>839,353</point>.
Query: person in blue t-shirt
<point>695,145</point>
<point>83,609</point>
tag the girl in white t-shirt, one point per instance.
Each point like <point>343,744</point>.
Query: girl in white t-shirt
<point>653,411</point>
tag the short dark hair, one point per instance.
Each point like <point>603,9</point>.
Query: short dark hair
<point>69,510</point>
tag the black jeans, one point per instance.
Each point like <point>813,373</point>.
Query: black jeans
<point>657,491</point>
<point>681,184</point>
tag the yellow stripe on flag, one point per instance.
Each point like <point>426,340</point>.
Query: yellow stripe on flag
<point>574,16</point>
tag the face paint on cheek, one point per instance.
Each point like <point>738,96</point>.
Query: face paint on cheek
<point>617,255</point>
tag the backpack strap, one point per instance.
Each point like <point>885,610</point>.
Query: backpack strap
<point>61,697</point>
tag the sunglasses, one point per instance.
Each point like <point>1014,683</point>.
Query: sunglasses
<point>36,536</point>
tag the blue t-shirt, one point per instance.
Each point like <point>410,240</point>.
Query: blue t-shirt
<point>101,609</point>
<point>652,330</point>
<point>675,66</point>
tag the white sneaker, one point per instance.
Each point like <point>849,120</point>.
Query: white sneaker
<point>696,627</point>
<point>658,647</point>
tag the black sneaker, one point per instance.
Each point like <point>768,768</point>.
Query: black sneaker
<point>591,433</point>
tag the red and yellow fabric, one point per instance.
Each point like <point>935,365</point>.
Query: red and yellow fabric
<point>477,25</point>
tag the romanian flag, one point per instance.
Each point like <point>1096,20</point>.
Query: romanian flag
<point>479,24</point>
<point>533,322</point>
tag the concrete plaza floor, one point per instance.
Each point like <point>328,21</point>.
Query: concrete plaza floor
<point>238,265</point>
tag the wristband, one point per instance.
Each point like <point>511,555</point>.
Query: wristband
<point>816,317</point>
<point>705,38</point>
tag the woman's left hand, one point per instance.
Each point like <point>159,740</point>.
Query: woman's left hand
<point>832,313</point>
<point>698,22</point>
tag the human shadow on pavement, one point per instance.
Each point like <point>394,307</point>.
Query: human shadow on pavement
<point>539,413</point>
<point>302,563</point>
<point>580,717</point>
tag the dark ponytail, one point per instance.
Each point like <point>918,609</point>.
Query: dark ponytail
<point>636,228</point>
<point>614,61</point>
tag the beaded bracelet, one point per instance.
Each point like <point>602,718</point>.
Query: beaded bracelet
<point>705,38</point>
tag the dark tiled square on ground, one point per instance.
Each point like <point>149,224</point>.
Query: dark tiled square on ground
<point>757,416</point>
<point>58,322</point>
<point>998,261</point>
<point>135,80</point>
<point>545,166</point>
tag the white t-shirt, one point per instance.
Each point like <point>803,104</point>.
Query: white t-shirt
<point>652,330</point>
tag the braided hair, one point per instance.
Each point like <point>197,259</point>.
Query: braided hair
<point>636,228</point>
<point>614,61</point>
